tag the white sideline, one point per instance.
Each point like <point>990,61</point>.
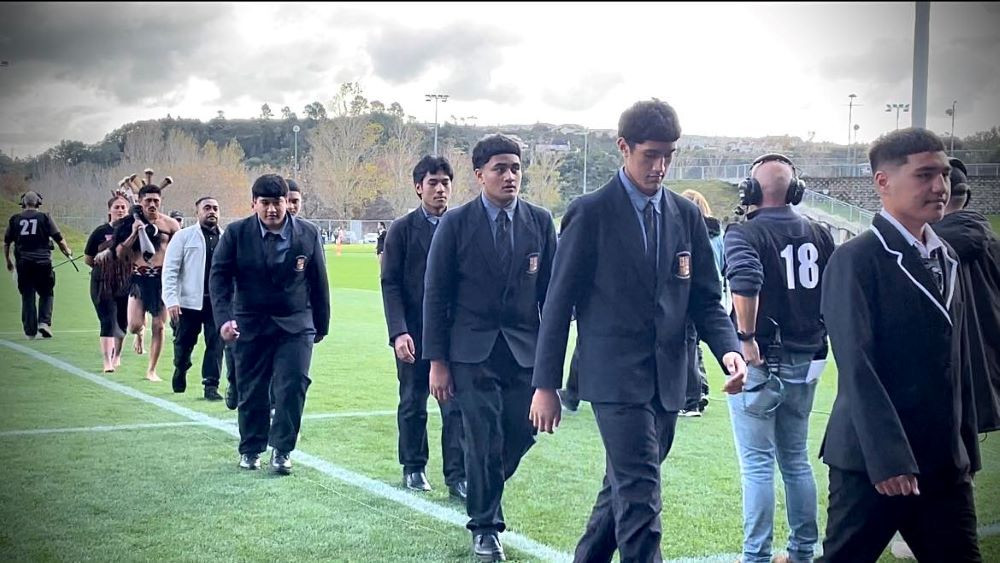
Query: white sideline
<point>144,426</point>
<point>377,488</point>
<point>323,415</point>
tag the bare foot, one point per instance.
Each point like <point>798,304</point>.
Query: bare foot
<point>117,362</point>
<point>137,344</point>
<point>108,368</point>
<point>151,375</point>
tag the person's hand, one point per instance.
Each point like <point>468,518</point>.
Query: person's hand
<point>751,352</point>
<point>898,485</point>
<point>737,369</point>
<point>546,410</point>
<point>229,331</point>
<point>318,338</point>
<point>440,381</point>
<point>404,348</point>
<point>175,314</point>
<point>137,226</point>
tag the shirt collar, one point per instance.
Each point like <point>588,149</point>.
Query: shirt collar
<point>925,249</point>
<point>285,229</point>
<point>212,230</point>
<point>639,199</point>
<point>493,210</point>
<point>431,218</point>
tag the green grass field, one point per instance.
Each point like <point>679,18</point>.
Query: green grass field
<point>153,485</point>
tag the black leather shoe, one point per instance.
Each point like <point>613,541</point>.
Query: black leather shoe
<point>250,461</point>
<point>487,547</point>
<point>459,491</point>
<point>179,382</point>
<point>280,462</point>
<point>232,399</point>
<point>212,394</point>
<point>416,481</point>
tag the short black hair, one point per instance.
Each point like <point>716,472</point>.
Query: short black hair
<point>149,189</point>
<point>293,186</point>
<point>269,185</point>
<point>649,120</point>
<point>492,145</point>
<point>197,204</point>
<point>432,165</point>
<point>895,147</point>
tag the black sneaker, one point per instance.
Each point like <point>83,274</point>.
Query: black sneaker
<point>232,399</point>
<point>250,461</point>
<point>569,404</point>
<point>212,394</point>
<point>45,330</point>
<point>280,462</point>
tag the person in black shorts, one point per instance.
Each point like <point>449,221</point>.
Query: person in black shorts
<point>31,232</point>
<point>109,283</point>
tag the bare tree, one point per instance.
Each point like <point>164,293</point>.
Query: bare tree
<point>465,187</point>
<point>342,167</point>
<point>542,179</point>
<point>398,157</point>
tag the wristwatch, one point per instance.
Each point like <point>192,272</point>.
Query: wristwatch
<point>745,336</point>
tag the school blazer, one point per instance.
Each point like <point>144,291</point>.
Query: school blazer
<point>404,263</point>
<point>904,401</point>
<point>631,328</point>
<point>469,302</point>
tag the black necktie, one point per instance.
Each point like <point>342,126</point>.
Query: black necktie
<point>503,241</point>
<point>649,225</point>
<point>933,265</point>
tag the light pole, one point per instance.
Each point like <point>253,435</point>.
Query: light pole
<point>850,110</point>
<point>586,133</point>
<point>856,127</point>
<point>296,130</point>
<point>905,108</point>
<point>951,112</point>
<point>436,98</point>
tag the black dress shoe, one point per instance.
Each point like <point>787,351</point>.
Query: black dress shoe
<point>281,462</point>
<point>459,491</point>
<point>487,547</point>
<point>232,399</point>
<point>250,461</point>
<point>212,394</point>
<point>179,382</point>
<point>416,481</point>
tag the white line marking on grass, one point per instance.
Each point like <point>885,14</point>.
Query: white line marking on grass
<point>377,488</point>
<point>145,426</point>
<point>359,414</point>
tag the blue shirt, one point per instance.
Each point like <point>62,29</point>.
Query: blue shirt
<point>492,211</point>
<point>284,237</point>
<point>639,201</point>
<point>431,218</point>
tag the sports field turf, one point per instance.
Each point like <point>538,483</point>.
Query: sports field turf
<point>111,467</point>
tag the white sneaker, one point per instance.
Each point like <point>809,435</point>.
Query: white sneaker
<point>45,330</point>
<point>689,413</point>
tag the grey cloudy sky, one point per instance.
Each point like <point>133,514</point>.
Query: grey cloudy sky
<point>79,71</point>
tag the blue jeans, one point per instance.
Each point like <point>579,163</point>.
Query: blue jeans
<point>779,434</point>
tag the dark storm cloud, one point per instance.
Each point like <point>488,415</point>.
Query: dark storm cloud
<point>128,51</point>
<point>467,55</point>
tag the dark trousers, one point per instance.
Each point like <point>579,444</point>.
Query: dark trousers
<point>939,525</point>
<point>697,380</point>
<point>411,417</point>
<point>275,359</point>
<point>35,279</point>
<point>494,397</point>
<point>192,323</point>
<point>626,516</point>
<point>230,359</point>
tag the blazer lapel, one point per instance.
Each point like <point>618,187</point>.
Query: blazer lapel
<point>629,233</point>
<point>422,229</point>
<point>524,240</point>
<point>670,236</point>
<point>908,260</point>
<point>484,235</point>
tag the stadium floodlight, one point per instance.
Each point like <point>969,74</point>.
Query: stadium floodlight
<point>437,98</point>
<point>905,108</point>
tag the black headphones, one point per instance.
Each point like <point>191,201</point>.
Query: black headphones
<point>21,201</point>
<point>752,194</point>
